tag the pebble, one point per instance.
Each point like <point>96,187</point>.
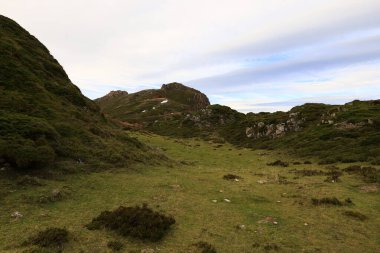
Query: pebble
<point>237,180</point>
<point>275,222</point>
<point>214,200</point>
<point>278,201</point>
<point>220,190</point>
<point>305,224</point>
<point>227,200</point>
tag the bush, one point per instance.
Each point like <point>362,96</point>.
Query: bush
<point>115,245</point>
<point>327,201</point>
<point>50,237</point>
<point>205,247</point>
<point>370,174</point>
<point>28,181</point>
<point>355,215</point>
<point>138,222</point>
<point>231,177</point>
<point>278,163</point>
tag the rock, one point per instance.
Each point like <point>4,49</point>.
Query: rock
<point>242,227</point>
<point>227,200</point>
<point>305,224</point>
<point>275,222</point>
<point>237,180</point>
<point>262,181</point>
<point>214,200</point>
<point>16,215</point>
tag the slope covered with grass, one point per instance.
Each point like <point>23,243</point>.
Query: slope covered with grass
<point>44,118</point>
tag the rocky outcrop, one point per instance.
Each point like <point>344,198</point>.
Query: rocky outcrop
<point>261,129</point>
<point>186,95</point>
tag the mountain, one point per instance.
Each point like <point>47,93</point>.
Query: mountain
<point>44,118</point>
<point>150,106</point>
<point>346,133</point>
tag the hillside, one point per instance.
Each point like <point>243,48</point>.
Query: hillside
<point>346,133</point>
<point>147,107</point>
<point>44,118</point>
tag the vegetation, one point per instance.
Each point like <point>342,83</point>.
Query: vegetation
<point>45,119</point>
<point>139,222</point>
<point>50,238</point>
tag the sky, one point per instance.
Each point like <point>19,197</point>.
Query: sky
<point>252,55</point>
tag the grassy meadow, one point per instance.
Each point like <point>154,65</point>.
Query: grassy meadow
<point>269,209</point>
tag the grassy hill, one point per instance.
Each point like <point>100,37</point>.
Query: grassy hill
<point>149,106</point>
<point>332,133</point>
<point>44,117</point>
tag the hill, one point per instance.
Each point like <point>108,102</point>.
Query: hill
<point>44,117</point>
<point>346,133</point>
<point>147,107</point>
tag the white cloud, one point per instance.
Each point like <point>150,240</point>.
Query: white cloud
<point>135,44</point>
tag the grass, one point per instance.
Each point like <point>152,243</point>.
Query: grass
<point>187,192</point>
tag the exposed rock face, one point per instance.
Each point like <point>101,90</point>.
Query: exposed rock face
<point>261,129</point>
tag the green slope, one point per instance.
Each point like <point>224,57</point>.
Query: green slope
<point>44,118</point>
<point>346,133</point>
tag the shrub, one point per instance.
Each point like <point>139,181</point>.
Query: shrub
<point>115,245</point>
<point>271,246</point>
<point>307,162</point>
<point>138,222</point>
<point>309,173</point>
<point>355,215</point>
<point>327,201</point>
<point>50,237</point>
<point>205,247</point>
<point>278,163</point>
<point>231,177</point>
<point>28,181</point>
<point>370,174</point>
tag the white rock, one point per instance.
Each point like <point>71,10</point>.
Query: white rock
<point>220,191</point>
<point>154,108</point>
<point>214,200</point>
<point>16,215</point>
<point>305,224</point>
<point>278,201</point>
<point>237,180</point>
<point>227,200</point>
<point>275,222</point>
<point>144,111</point>
<point>165,101</point>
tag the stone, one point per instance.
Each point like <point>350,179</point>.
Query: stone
<point>16,215</point>
<point>214,200</point>
<point>227,200</point>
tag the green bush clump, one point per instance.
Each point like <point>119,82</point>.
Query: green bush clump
<point>115,245</point>
<point>370,174</point>
<point>278,163</point>
<point>50,238</point>
<point>331,201</point>
<point>231,177</point>
<point>355,215</point>
<point>139,222</point>
<point>205,247</point>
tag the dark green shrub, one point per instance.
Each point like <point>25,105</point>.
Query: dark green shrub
<point>115,245</point>
<point>370,174</point>
<point>231,177</point>
<point>355,215</point>
<point>139,222</point>
<point>278,163</point>
<point>327,201</point>
<point>28,181</point>
<point>205,247</point>
<point>50,237</point>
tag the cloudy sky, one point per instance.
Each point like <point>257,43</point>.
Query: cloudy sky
<point>252,55</point>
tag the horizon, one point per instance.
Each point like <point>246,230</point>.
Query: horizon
<point>248,55</point>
